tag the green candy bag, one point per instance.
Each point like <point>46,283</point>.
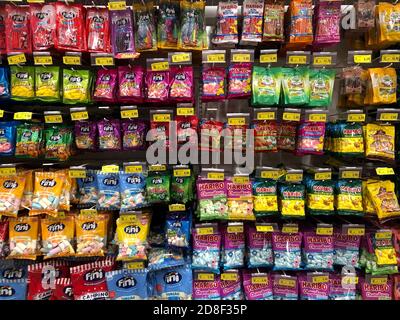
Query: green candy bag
<point>321,87</point>
<point>22,82</point>
<point>180,189</point>
<point>158,187</point>
<point>296,85</point>
<point>59,141</point>
<point>76,86</point>
<point>47,83</point>
<point>266,85</point>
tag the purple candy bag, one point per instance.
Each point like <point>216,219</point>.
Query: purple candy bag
<point>313,290</point>
<point>318,251</point>
<point>339,289</point>
<point>134,134</point>
<point>257,286</point>
<point>310,138</point>
<point>259,248</point>
<point>285,287</point>
<point>181,86</point>
<point>122,35</point>
<point>327,21</point>
<point>346,249</point>
<point>157,86</point>
<point>130,84</point>
<point>234,249</point>
<point>287,250</point>
<point>239,80</point>
<point>206,250</point>
<point>376,291</point>
<point>109,134</point>
<point>231,288</point>
<point>85,135</point>
<point>206,289</point>
<point>106,84</point>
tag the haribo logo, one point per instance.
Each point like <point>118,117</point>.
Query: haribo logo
<point>85,129</point>
<point>48,183</point>
<point>132,127</point>
<point>91,225</point>
<point>75,79</point>
<point>94,275</point>
<point>12,274</point>
<point>110,181</point>
<point>157,181</point>
<point>122,22</point>
<point>129,76</point>
<point>10,184</point>
<point>172,278</point>
<point>22,227</point>
<point>108,128</point>
<point>6,291</point>
<point>22,75</point>
<point>18,18</point>
<point>180,76</point>
<point>126,283</point>
<point>46,76</point>
<point>69,15</point>
<point>158,77</point>
<point>55,138</point>
<point>55,227</point>
<point>41,15</point>
<point>88,179</point>
<point>133,229</point>
<point>98,19</point>
<point>133,180</point>
<point>105,78</point>
<point>68,292</point>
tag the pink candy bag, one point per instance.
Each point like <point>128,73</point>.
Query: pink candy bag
<point>181,85</point>
<point>311,290</point>
<point>130,84</point>
<point>376,291</point>
<point>327,21</point>
<point>239,80</point>
<point>257,290</point>
<point>310,138</point>
<point>157,86</point>
<point>106,84</point>
<point>2,29</point>
<point>213,84</point>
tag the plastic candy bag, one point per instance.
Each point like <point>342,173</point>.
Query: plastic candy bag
<point>7,138</point>
<point>349,197</point>
<point>162,258</point>
<point>206,251</point>
<point>29,140</point>
<point>23,237</point>
<point>274,26</point>
<point>327,16</point>
<point>13,289</point>
<point>58,143</point>
<point>109,134</point>
<point>158,187</point>
<point>346,249</point>
<point>63,290</point>
<point>108,188</point>
<point>134,134</point>
<point>131,84</point>
<point>318,251</point>
<point>259,248</point>
<point>212,197</point>
<point>321,87</point>
<point>312,291</point>
<point>88,193</point>
<point>17,29</point>
<point>266,86</point>
<point>296,85</point>
<point>233,244</point>
<point>122,37</point>
<point>4,83</point>
<point>174,283</point>
<point>339,289</point>
<point>265,135</point>
<point>382,89</point>
<point>227,23</point>
<point>192,33</point>
<point>292,199</point>
<point>239,80</point>
<point>177,230</point>
<point>22,82</point>
<point>181,84</point>
<point>105,85</point>
<point>285,287</point>
<point>157,86</point>
<point>186,125</point>
<point>301,28</point>
<point>3,240</point>
<point>3,17</point>
<point>43,25</point>
<point>320,196</point>
<point>287,135</point>
<point>210,135</point>
<point>85,135</point>
<point>11,191</point>
<point>252,27</point>
<point>265,197</point>
<point>386,22</point>
<point>240,201</point>
<point>365,14</point>
<point>98,30</point>
<point>47,83</point>
<point>181,189</point>
<point>132,190</point>
<point>213,84</point>
<point>384,199</point>
<point>254,290</point>
<point>206,289</point>
<point>310,138</point>
<point>91,235</point>
<point>76,86</point>
<point>145,29</point>
<point>287,250</point>
<point>127,284</point>
<point>371,291</point>
<point>379,141</point>
<point>231,289</point>
<point>168,24</point>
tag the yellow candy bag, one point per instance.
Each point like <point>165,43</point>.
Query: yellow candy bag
<point>91,235</point>
<point>47,192</point>
<point>240,201</point>
<point>24,234</point>
<point>26,202</point>
<point>367,202</point>
<point>131,236</point>
<point>22,82</point>
<point>65,198</point>
<point>11,191</point>
<point>382,86</point>
<point>383,196</point>
<point>57,236</point>
<point>388,22</point>
<point>292,199</point>
<point>379,141</point>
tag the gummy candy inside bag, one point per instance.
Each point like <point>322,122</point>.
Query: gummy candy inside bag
<point>212,197</point>
<point>181,88</point>
<point>349,197</point>
<point>145,28</point>
<point>17,29</point>
<point>320,196</point>
<point>58,141</point>
<point>98,30</point>
<point>85,135</point>
<point>157,86</point>
<point>213,84</point>
<point>168,24</point>
<point>227,23</point>
<point>265,197</point>
<point>181,189</point>
<point>47,83</point>
<point>130,84</point>
<point>192,35</point>
<point>310,138</point>
<point>122,34</point>
<point>109,134</point>
<point>108,188</point>
<point>7,138</point>
<point>292,199</point>
<point>239,80</point>
<point>321,87</point>
<point>22,82</point>
<point>339,289</point>
<point>76,86</point>
<point>266,86</point>
<point>105,85</point>
<point>296,86</point>
<point>158,187</point>
<point>43,25</point>
<point>287,250</point>
<point>134,134</point>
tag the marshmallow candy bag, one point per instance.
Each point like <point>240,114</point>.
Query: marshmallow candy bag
<point>285,287</point>
<point>233,248</point>
<point>105,85</point>
<point>91,235</point>
<point>310,290</point>
<point>206,250</point>
<point>13,289</point>
<point>132,189</point>
<point>346,249</point>
<point>371,291</point>
<point>339,289</point>
<point>177,229</point>
<point>212,197</point>
<point>23,238</point>
<point>11,191</point>
<point>131,84</point>
<point>127,284</point>
<point>134,134</point>
<point>87,188</point>
<point>89,280</point>
<point>318,251</point>
<point>231,286</point>
<point>161,258</point>
<point>109,197</point>
<point>259,248</point>
<point>98,30</point>
<point>257,290</point>
<point>174,283</point>
<point>206,289</point>
<point>85,135</point>
<point>3,239</point>
<point>287,250</point>
<point>181,87</point>
<point>43,25</point>
<point>109,135</point>
<point>240,201</point>
<point>63,290</point>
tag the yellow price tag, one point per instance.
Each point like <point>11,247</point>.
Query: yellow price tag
<point>88,212</point>
<point>177,207</point>
<point>133,169</point>
<point>322,61</point>
<point>35,1</point>
<point>384,116</point>
<point>1,113</point>
<point>362,58</point>
<point>8,171</point>
<point>383,235</point>
<point>215,175</point>
<point>157,167</point>
<point>356,117</point>
<point>235,229</point>
<point>116,5</point>
<point>23,116</point>
<point>294,177</point>
<point>134,265</point>
<point>323,176</point>
<point>241,180</point>
<point>259,280</point>
<point>104,61</point>
<point>269,58</point>
<point>320,279</point>
<point>263,228</point>
<point>297,59</point>
<point>162,117</point>
<point>379,281</point>
<point>180,57</point>
<point>182,173</point>
<point>185,111</point>
<point>324,231</point>
<point>81,115</point>
<point>205,276</point>
<point>287,282</point>
<point>216,57</point>
<point>236,121</point>
<point>229,276</point>
<point>356,231</point>
<point>266,116</point>
<point>390,58</point>
<point>72,60</point>
<point>43,60</point>
<point>317,117</point>
<point>77,173</point>
<point>241,57</point>
<point>291,116</point>
<point>349,174</point>
<point>290,229</point>
<point>128,114</point>
<point>110,169</point>
<point>270,174</point>
<point>350,280</point>
<point>53,118</point>
<point>17,59</point>
<point>384,171</point>
<point>205,231</point>
<point>160,66</point>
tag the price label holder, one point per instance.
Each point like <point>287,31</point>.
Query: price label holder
<point>259,278</point>
<point>17,58</point>
<point>324,59</point>
<point>117,5</point>
<point>290,228</point>
<point>383,234</point>
<point>318,277</point>
<point>8,170</point>
<point>298,57</point>
<point>1,113</point>
<point>134,167</point>
<point>157,167</point>
<point>242,55</point>
<point>53,117</point>
<point>350,172</point>
<point>266,227</point>
<point>72,58</point>
<point>353,229</point>
<point>268,56</point>
<point>389,56</point>
<point>175,207</point>
<point>180,58</point>
<point>355,116</point>
<point>157,64</point>
<point>181,171</point>
<point>185,109</point>
<point>88,212</point>
<point>77,172</point>
<point>42,58</point>
<point>322,174</point>
<point>235,227</point>
<point>134,265</point>
<point>294,175</point>
<point>268,173</point>
<point>324,229</point>
<point>265,114</point>
<point>290,114</point>
<point>112,168</point>
<point>241,179</point>
<point>213,174</point>
<point>213,56</point>
<point>79,114</point>
<point>238,119</point>
<point>385,171</point>
<point>316,115</point>
<point>387,115</point>
<point>204,276</point>
<point>359,57</point>
<point>22,115</point>
<point>376,280</point>
<point>286,281</point>
<point>101,60</point>
<point>161,115</point>
<point>129,112</point>
<point>206,228</point>
<point>229,276</point>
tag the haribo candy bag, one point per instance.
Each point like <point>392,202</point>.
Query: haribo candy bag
<point>349,197</point>
<point>274,26</point>
<point>265,135</point>
<point>212,197</point>
<point>214,80</point>
<point>239,80</point>
<point>233,244</point>
<point>311,290</point>
<point>341,287</point>
<point>296,86</point>
<point>231,286</point>
<point>370,291</point>
<point>318,251</point>
<point>310,138</point>
<point>379,141</point>
<point>287,250</point>
<point>321,87</point>
<point>227,23</point>
<point>384,199</point>
<point>285,287</point>
<point>292,199</point>
<point>259,248</point>
<point>206,289</point>
<point>346,249</point>
<point>256,289</point>
<point>252,26</point>
<point>240,200</point>
<point>320,196</point>
<point>206,249</point>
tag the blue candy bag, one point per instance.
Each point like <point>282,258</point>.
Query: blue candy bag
<point>7,138</point>
<point>4,83</point>
<point>174,283</point>
<point>127,284</point>
<point>108,188</point>
<point>88,190</point>
<point>13,289</point>
<point>160,258</point>
<point>132,189</point>
<point>177,229</point>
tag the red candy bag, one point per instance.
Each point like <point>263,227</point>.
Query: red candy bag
<point>18,37</point>
<point>130,84</point>
<point>106,84</point>
<point>3,237</point>
<point>213,84</point>
<point>43,26</point>
<point>210,131</point>
<point>41,276</point>
<point>98,29</point>
<point>63,290</point>
<point>89,280</point>
<point>3,17</point>
<point>181,86</point>
<point>70,27</point>
<point>157,86</point>
<point>265,135</point>
<point>184,127</point>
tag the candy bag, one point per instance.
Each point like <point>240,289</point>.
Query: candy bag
<point>22,82</point>
<point>231,288</point>
<point>327,26</point>
<point>371,291</point>
<point>158,187</point>
<point>43,25</point>
<point>320,196</point>
<point>210,138</point>
<point>76,86</point>
<point>318,251</point>
<point>4,82</point>
<point>285,287</point>
<point>108,188</point>
<point>7,138</point>
<point>240,201</point>
<point>339,289</point>
<point>13,289</point>
<point>352,81</point>
<point>274,14</point>
<point>85,135</point>
<point>266,86</point>
<point>157,86</point>
<point>11,191</point>
<point>109,134</point>
<point>206,250</point>
<point>168,24</point>
<point>122,37</point>
<point>162,258</point>
<point>348,139</point>
<point>23,238</point>
<point>174,283</point>
<point>301,28</point>
<point>177,229</point>
<point>89,280</point>
<point>63,290</point>
<point>47,83</point>
<point>365,14</point>
<point>239,80</point>
<point>349,197</point>
<point>212,199</point>
<point>379,141</point>
<point>383,85</point>
<point>213,84</point>
<point>386,22</point>
<point>192,32</point>
<point>310,138</point>
<point>98,30</point>
<point>3,17</point>
<point>181,189</point>
<point>227,23</point>
<point>346,249</point>
<point>181,84</point>
<point>130,84</point>
<point>206,289</point>
<point>310,290</point>
<point>131,236</point>
<point>26,201</point>
<point>287,250</point>
<point>259,248</point>
<point>57,235</point>
<point>292,199</point>
<point>134,134</point>
<point>91,235</point>
<point>88,193</point>
<point>17,29</point>
<point>29,140</point>
<point>252,27</point>
<point>47,192</point>
<point>70,25</point>
<point>287,135</point>
<point>105,85</point>
<point>256,289</point>
<point>3,239</point>
<point>127,284</point>
<point>65,198</point>
<point>265,135</point>
<point>132,190</point>
<point>145,28</point>
<point>296,85</point>
<point>321,87</point>
<point>58,143</point>
<point>233,244</point>
<point>186,126</point>
<point>384,199</point>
